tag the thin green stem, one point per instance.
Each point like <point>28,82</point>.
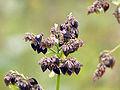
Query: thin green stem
<point>114,49</point>
<point>52,50</point>
<point>58,76</point>
<point>58,82</point>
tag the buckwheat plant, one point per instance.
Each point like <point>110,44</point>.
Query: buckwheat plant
<point>102,5</point>
<point>105,61</point>
<point>61,43</point>
<point>17,81</point>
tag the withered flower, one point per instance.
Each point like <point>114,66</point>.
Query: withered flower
<point>50,63</point>
<point>70,65</point>
<point>108,60</point>
<point>98,6</point>
<point>72,46</point>
<point>65,39</point>
<point>105,6</point>
<point>117,14</point>
<point>19,80</point>
<point>105,61</point>
<point>38,44</point>
<point>99,71</point>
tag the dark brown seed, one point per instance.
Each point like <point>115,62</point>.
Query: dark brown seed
<point>75,24</point>
<point>32,81</point>
<point>57,61</point>
<point>7,80</point>
<point>77,70</point>
<point>13,81</point>
<point>34,47</point>
<point>56,70</point>
<point>61,27</point>
<point>105,6</point>
<point>69,72</point>
<point>44,51</point>
<point>39,49</point>
<point>44,67</point>
<point>63,70</point>
<point>38,38</point>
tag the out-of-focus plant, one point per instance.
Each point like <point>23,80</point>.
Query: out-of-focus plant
<point>62,42</point>
<point>105,61</point>
<point>101,5</point>
<point>17,81</point>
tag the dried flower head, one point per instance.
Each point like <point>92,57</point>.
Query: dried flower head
<point>65,40</point>
<point>38,44</point>
<point>50,63</point>
<point>72,46</point>
<point>70,65</point>
<point>108,60</point>
<point>99,71</point>
<point>105,61</point>
<point>23,83</point>
<point>98,6</point>
<point>117,14</point>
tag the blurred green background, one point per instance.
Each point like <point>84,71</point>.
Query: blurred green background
<point>98,32</point>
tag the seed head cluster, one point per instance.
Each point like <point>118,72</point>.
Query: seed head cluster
<point>98,6</point>
<point>117,14</point>
<point>50,63</point>
<point>71,46</point>
<point>68,65</point>
<point>38,44</point>
<point>14,78</point>
<point>105,61</point>
<point>66,36</point>
<point>65,39</point>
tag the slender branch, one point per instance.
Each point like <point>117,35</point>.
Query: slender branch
<point>114,49</point>
<point>58,82</point>
<point>52,50</point>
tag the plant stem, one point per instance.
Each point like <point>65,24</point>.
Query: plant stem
<point>52,50</point>
<point>58,82</point>
<point>114,49</point>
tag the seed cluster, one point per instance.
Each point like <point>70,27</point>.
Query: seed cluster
<point>71,46</point>
<point>65,36</point>
<point>99,71</point>
<point>65,39</point>
<point>50,63</point>
<point>117,14</point>
<point>98,6</point>
<point>68,65</point>
<point>38,44</point>
<point>23,83</point>
<point>68,30</point>
<point>105,61</point>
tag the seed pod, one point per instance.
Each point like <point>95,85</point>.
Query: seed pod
<point>56,70</point>
<point>32,81</point>
<point>100,71</point>
<point>108,60</point>
<point>74,24</point>
<point>105,6</point>
<point>38,38</point>
<point>50,63</point>
<point>117,14</point>
<point>63,69</point>
<point>7,79</point>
